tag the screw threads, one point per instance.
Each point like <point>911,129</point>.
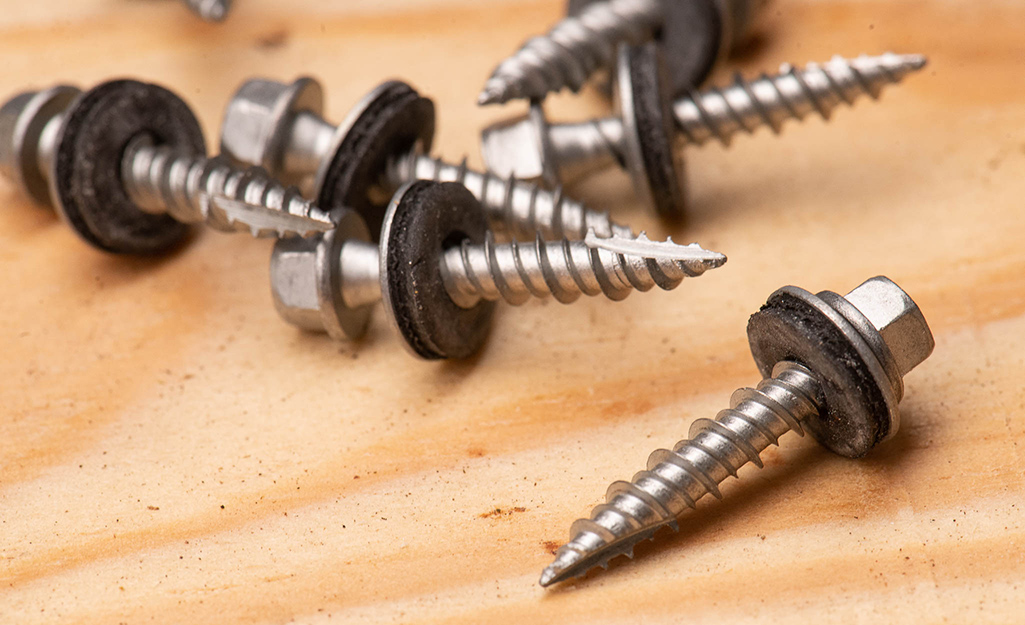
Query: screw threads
<point>746,106</point>
<point>521,207</point>
<point>210,10</point>
<point>572,50</point>
<point>675,480</point>
<point>565,269</point>
<point>197,189</point>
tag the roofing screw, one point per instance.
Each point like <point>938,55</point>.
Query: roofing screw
<point>696,32</point>
<point>837,365</point>
<point>210,10</point>
<point>438,271</point>
<point>379,147</point>
<point>640,138</point>
<point>123,164</point>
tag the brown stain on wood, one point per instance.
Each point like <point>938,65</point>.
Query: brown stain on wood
<point>498,513</point>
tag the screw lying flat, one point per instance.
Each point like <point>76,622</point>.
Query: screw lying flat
<point>515,272</point>
<point>381,143</point>
<point>530,147</point>
<point>95,157</point>
<point>437,270</point>
<point>194,189</point>
<point>834,366</point>
<point>696,33</point>
<point>210,10</point>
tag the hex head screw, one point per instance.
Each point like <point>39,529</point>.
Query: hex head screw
<point>696,32</point>
<point>438,271</point>
<point>96,158</point>
<point>380,146</point>
<point>640,139</point>
<point>833,365</point>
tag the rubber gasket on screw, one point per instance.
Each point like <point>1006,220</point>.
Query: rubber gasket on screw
<point>390,125</point>
<point>655,128</point>
<point>424,219</point>
<point>86,180</point>
<point>856,413</point>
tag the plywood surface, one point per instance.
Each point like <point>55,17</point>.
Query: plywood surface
<point>171,452</point>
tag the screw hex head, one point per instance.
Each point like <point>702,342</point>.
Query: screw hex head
<point>22,120</point>
<point>255,124</point>
<point>852,357</point>
<point>306,281</point>
<point>520,147</point>
<point>898,320</point>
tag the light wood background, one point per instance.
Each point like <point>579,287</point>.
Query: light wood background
<point>171,452</point>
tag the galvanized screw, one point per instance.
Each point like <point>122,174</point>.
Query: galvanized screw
<point>279,126</point>
<point>837,365</point>
<point>438,268</point>
<point>123,165</point>
<point>696,33</point>
<point>530,147</point>
<point>210,10</point>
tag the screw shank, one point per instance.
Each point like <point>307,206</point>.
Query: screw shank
<point>308,143</point>
<point>564,269</point>
<point>520,207</point>
<point>572,50</point>
<point>159,179</point>
<point>676,479</point>
<point>745,106</point>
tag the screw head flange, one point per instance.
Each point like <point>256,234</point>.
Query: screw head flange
<point>858,346</point>
<point>255,127</point>
<point>23,119</point>
<point>306,280</point>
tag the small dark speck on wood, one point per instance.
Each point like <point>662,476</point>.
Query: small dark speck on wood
<point>272,40</point>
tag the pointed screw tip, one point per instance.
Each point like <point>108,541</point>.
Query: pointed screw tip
<point>718,260</point>
<point>915,61</point>
<point>491,94</point>
<point>547,578</point>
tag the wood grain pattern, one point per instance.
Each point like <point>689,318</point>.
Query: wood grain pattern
<point>171,452</point>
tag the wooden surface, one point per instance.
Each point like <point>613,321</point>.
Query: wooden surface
<point>171,452</point>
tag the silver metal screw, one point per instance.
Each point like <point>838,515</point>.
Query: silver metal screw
<point>195,189</point>
<point>530,147</point>
<point>327,283</point>
<point>697,33</point>
<point>210,10</point>
<point>280,127</point>
<point>156,178</point>
<point>516,272</point>
<point>834,365</point>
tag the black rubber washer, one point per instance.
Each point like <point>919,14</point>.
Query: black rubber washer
<point>692,34</point>
<point>656,129</point>
<point>424,219</point>
<point>389,126</point>
<point>855,414</point>
<point>86,176</point>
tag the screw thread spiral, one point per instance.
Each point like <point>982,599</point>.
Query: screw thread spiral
<point>565,269</point>
<point>747,105</point>
<point>676,479</point>
<point>520,207</point>
<point>572,50</point>
<point>196,189</point>
<point>210,10</point>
